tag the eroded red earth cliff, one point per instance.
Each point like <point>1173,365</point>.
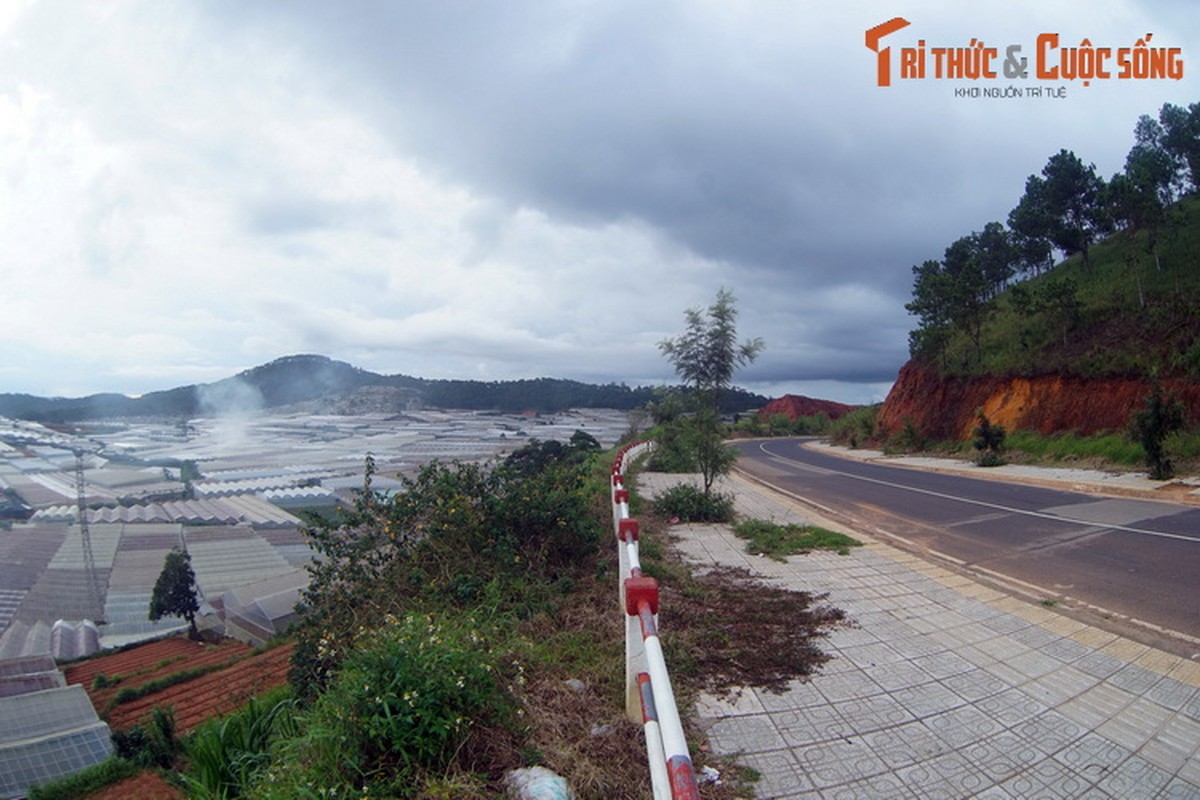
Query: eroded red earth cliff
<point>947,408</point>
<point>793,406</point>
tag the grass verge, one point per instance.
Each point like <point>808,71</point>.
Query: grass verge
<point>778,541</point>
<point>86,781</point>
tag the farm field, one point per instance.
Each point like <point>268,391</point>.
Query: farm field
<point>232,673</point>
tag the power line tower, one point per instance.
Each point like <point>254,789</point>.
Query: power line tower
<point>89,561</point>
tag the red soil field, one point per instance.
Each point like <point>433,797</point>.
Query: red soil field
<point>238,675</point>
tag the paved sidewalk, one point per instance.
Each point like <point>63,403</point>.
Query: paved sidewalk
<point>944,688</point>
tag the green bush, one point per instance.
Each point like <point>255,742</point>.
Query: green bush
<point>1188,361</point>
<point>1158,419</point>
<point>404,703</point>
<point>856,428</point>
<point>414,690</point>
<point>750,425</point>
<point>420,704</point>
<point>989,443</point>
<point>908,440</point>
<point>152,744</point>
<point>454,534</point>
<point>690,504</point>
<point>548,514</point>
<point>989,458</point>
<point>671,453</point>
<point>86,781</point>
<point>779,425</point>
<point>814,425</point>
<point>102,681</point>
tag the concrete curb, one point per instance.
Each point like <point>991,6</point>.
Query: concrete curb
<point>1125,484</point>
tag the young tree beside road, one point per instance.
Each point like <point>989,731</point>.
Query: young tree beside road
<point>705,357</point>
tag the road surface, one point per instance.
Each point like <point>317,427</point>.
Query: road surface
<point>1132,562</point>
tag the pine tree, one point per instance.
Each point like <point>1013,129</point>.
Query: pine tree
<point>175,590</point>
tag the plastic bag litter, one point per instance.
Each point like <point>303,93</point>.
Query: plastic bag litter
<point>537,783</point>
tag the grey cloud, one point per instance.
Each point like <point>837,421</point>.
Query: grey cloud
<point>746,139</point>
<point>647,112</point>
<point>284,213</point>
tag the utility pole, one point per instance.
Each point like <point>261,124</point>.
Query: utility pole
<point>89,561</point>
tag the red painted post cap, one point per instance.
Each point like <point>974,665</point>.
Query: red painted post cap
<point>639,590</point>
<point>627,530</point>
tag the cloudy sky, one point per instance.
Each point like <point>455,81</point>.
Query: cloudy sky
<point>499,190</point>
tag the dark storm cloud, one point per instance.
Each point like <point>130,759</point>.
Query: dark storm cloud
<point>489,189</point>
<point>717,135</point>
<point>651,111</point>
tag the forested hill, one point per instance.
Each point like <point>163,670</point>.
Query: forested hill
<point>1129,312</point>
<point>1078,345</point>
<point>1125,300</point>
<point>306,379</point>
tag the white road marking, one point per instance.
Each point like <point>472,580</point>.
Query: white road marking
<point>981,503</point>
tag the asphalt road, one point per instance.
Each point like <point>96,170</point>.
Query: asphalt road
<point>1127,560</point>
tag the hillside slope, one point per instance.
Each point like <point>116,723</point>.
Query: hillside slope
<point>1086,368</point>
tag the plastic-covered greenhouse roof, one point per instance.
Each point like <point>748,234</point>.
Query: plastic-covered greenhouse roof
<point>29,674</point>
<point>246,508</point>
<point>256,612</point>
<point>46,735</point>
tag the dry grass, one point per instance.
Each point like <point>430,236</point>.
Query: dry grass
<point>736,631</point>
<point>721,631</point>
<point>583,736</point>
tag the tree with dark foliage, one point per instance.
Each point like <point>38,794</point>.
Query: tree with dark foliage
<point>175,591</point>
<point>1158,419</point>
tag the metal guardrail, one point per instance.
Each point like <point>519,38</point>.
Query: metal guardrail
<point>648,693</point>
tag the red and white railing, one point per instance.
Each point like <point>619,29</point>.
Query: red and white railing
<point>648,692</point>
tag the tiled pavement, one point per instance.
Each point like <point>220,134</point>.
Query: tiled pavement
<point>944,688</point>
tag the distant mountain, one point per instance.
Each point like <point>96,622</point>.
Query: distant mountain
<point>319,383</point>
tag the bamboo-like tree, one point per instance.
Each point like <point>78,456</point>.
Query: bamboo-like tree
<point>705,357</point>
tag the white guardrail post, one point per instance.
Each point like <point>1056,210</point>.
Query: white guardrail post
<point>648,693</point>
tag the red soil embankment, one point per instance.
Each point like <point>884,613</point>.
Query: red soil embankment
<point>794,406</point>
<point>947,408</point>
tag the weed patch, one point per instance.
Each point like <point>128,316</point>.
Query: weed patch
<point>86,781</point>
<point>778,541</point>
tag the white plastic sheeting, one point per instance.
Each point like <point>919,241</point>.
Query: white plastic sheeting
<point>256,612</point>
<point>71,640</point>
<point>46,735</point>
<point>246,508</point>
<point>29,674</point>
